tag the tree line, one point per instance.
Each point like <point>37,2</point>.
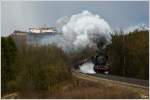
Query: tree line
<point>129,54</point>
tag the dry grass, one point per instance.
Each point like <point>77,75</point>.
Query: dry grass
<point>82,89</point>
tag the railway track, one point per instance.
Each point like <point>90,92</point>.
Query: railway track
<point>115,79</point>
<point>132,81</point>
<point>133,84</point>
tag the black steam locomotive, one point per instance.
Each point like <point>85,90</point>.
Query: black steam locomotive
<point>100,63</point>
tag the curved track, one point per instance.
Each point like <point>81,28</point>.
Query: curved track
<point>116,79</point>
<point>133,81</point>
<point>141,86</point>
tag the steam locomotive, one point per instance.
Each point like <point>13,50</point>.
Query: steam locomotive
<point>100,63</point>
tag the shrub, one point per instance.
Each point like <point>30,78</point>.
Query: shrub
<point>41,66</point>
<point>8,57</point>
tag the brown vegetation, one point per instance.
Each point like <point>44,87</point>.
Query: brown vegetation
<point>82,89</point>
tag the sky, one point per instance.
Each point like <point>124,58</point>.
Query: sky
<point>22,15</point>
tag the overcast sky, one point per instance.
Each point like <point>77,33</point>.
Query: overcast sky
<point>18,15</point>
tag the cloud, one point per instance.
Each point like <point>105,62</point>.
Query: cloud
<point>138,27</point>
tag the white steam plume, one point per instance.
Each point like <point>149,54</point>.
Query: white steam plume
<point>61,22</point>
<point>79,31</point>
<point>87,67</point>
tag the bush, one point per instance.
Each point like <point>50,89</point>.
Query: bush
<point>8,57</point>
<point>12,85</point>
<point>41,66</point>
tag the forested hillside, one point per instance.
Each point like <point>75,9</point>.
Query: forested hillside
<point>128,54</point>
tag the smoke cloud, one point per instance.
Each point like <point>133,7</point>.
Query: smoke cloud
<point>80,31</point>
